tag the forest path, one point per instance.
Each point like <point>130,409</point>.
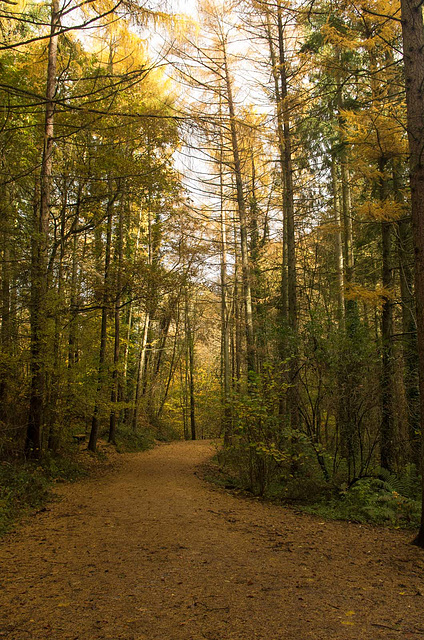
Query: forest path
<point>152,552</point>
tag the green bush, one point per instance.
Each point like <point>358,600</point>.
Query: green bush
<point>128,440</point>
<point>27,485</point>
<point>21,487</point>
<point>371,500</point>
<point>386,499</point>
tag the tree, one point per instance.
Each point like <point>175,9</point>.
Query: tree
<point>413,47</point>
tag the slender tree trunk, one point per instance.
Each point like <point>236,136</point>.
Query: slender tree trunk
<point>128,412</point>
<point>5,333</point>
<point>54,377</point>
<point>172,364</point>
<point>288,203</point>
<point>225,325</point>
<point>409,325</point>
<point>339,247</point>
<point>246,275</point>
<point>73,308</point>
<point>190,363</point>
<point>237,333</point>
<point>413,47</point>
<point>114,396</point>
<point>94,433</point>
<point>140,371</point>
<point>387,417</point>
<point>283,306</point>
<point>39,255</point>
<point>351,306</point>
<point>288,179</point>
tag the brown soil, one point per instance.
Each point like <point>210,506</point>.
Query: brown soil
<point>152,552</point>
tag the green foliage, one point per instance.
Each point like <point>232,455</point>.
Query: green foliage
<point>26,486</point>
<point>21,487</point>
<point>371,500</point>
<point>61,468</point>
<point>386,500</point>
<point>128,440</point>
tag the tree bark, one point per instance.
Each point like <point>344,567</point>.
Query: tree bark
<point>94,433</point>
<point>140,371</point>
<point>225,325</point>
<point>413,58</point>
<point>39,254</point>
<point>387,417</point>
<point>339,247</point>
<point>241,205</point>
<point>114,395</point>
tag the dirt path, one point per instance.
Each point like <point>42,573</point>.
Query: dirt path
<point>151,552</point>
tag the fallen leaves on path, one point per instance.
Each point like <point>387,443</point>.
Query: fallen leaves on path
<point>152,552</point>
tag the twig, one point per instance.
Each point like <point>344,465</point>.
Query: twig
<point>386,626</point>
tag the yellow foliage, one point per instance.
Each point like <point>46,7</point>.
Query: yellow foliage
<point>329,228</point>
<point>386,211</point>
<point>374,16</point>
<point>377,134</point>
<point>333,36</point>
<point>373,297</point>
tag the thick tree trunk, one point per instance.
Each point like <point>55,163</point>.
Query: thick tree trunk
<point>413,56</point>
<point>409,338</point>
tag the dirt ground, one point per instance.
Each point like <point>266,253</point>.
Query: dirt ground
<point>152,552</point>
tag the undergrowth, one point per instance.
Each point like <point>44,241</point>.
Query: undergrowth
<point>128,440</point>
<point>370,500</point>
<point>383,498</point>
<point>27,485</point>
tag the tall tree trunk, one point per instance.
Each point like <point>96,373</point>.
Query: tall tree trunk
<point>288,203</point>
<point>283,305</point>
<point>39,254</point>
<point>225,325</point>
<point>409,338</point>
<point>387,417</point>
<point>409,325</point>
<point>241,205</point>
<point>237,333</point>
<point>190,362</point>
<point>413,57</point>
<point>351,306</point>
<point>339,247</point>
<point>128,412</point>
<point>54,377</point>
<point>5,333</point>
<point>140,371</point>
<point>94,433</point>
<point>172,364</point>
<point>73,308</point>
<point>114,396</point>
